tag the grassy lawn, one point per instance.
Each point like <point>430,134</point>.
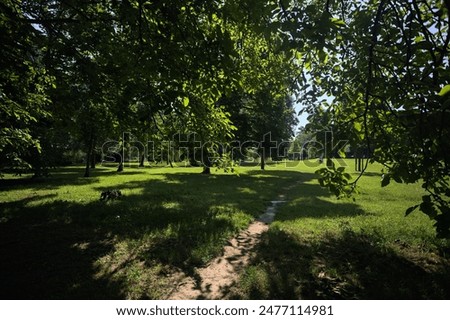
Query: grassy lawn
<point>57,240</point>
<point>323,248</point>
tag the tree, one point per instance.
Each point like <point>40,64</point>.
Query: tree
<point>261,107</point>
<point>111,56</point>
<point>385,65</point>
<point>23,89</point>
<point>303,146</point>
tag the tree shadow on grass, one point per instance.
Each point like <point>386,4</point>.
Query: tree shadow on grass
<point>310,200</point>
<point>44,183</point>
<point>339,263</point>
<point>47,260</point>
<point>55,250</point>
<point>103,250</point>
<point>62,176</point>
<point>343,265</point>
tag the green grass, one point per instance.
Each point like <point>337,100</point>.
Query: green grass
<point>57,240</point>
<point>323,248</point>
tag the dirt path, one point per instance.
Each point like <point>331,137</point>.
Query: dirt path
<point>215,279</point>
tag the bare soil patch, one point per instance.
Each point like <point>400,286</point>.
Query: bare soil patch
<point>215,279</point>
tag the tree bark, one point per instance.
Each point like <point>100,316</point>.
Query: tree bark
<point>142,161</point>
<point>329,163</point>
<point>206,170</point>
<point>263,159</point>
<point>122,156</point>
<point>89,156</point>
<point>93,158</point>
<point>206,163</point>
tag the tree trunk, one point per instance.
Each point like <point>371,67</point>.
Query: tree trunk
<point>206,170</point>
<point>358,164</point>
<point>122,156</point>
<point>206,163</point>
<point>263,159</point>
<point>192,161</point>
<point>86,170</point>
<point>142,161</point>
<point>329,163</point>
<point>88,157</point>
<point>93,159</point>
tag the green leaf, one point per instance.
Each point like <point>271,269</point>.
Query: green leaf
<point>338,22</point>
<point>341,153</point>
<point>323,57</point>
<point>185,101</point>
<point>418,39</point>
<point>444,90</point>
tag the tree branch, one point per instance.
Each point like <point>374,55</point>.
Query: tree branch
<point>373,43</point>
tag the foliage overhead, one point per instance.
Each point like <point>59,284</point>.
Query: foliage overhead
<point>151,68</point>
<point>385,66</point>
